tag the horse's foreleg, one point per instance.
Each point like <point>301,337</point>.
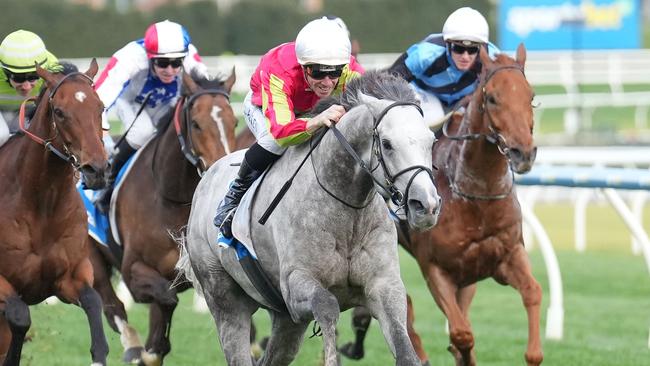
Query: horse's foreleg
<point>14,315</point>
<point>460,333</point>
<point>91,303</point>
<point>147,285</point>
<point>517,272</point>
<point>413,335</point>
<point>307,299</point>
<point>160,323</point>
<point>114,308</point>
<point>285,340</point>
<point>386,300</point>
<point>361,319</point>
<point>78,290</point>
<point>464,296</point>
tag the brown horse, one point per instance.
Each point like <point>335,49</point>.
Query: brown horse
<point>43,248</point>
<point>154,199</point>
<point>479,232</point>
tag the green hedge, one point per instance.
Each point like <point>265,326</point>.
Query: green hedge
<point>250,27</point>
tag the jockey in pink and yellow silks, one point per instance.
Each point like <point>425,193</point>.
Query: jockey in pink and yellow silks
<point>290,79</point>
<point>280,87</point>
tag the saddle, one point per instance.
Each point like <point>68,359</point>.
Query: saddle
<point>243,245</point>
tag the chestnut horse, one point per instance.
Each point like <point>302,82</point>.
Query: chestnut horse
<point>154,200</point>
<point>43,248</point>
<point>479,233</point>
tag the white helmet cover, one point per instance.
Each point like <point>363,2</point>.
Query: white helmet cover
<point>324,42</point>
<point>466,24</point>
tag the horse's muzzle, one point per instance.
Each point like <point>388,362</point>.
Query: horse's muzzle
<point>522,161</point>
<point>95,177</point>
<point>423,214</point>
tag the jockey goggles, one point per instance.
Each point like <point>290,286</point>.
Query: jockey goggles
<point>20,78</point>
<point>460,49</point>
<point>319,72</point>
<point>163,63</point>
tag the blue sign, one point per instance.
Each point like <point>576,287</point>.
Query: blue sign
<point>569,24</point>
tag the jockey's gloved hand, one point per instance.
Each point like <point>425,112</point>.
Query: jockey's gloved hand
<point>325,118</point>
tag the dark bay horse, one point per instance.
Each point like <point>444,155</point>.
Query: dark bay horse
<point>330,244</point>
<point>43,247</point>
<point>154,200</point>
<point>479,234</point>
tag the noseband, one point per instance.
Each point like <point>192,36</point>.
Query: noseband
<point>188,148</point>
<point>67,154</point>
<point>399,198</point>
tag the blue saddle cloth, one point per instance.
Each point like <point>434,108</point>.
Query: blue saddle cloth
<point>99,223</point>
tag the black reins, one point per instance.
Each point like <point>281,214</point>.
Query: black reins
<point>397,197</point>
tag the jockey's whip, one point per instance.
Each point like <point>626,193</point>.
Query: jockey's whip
<point>144,104</point>
<point>288,183</point>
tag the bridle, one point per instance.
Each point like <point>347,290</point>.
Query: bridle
<point>188,148</point>
<point>67,155</point>
<point>399,198</point>
<point>492,137</point>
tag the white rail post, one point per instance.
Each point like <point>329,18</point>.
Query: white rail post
<point>635,227</point>
<point>555,313</point>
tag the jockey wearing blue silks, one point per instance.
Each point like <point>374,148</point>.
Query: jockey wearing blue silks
<point>444,67</point>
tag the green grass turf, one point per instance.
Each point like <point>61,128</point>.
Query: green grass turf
<point>606,303</point>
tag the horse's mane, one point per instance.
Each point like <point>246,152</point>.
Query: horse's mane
<point>377,83</point>
<point>204,81</point>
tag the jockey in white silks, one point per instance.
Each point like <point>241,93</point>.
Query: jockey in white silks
<point>146,71</point>
<point>445,67</point>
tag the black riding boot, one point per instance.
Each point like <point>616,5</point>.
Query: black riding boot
<point>255,162</point>
<point>123,153</point>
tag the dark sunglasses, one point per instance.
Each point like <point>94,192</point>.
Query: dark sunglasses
<point>22,77</point>
<point>456,48</point>
<point>163,63</point>
<point>318,74</point>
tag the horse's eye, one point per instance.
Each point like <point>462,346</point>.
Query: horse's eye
<point>386,144</point>
<point>491,99</point>
<point>196,125</point>
<point>58,113</point>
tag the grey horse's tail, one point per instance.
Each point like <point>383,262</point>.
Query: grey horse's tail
<point>184,271</point>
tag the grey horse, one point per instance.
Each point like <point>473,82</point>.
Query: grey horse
<point>330,244</point>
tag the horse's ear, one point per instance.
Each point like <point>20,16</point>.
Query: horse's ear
<point>92,69</point>
<point>45,75</point>
<point>189,83</point>
<point>484,57</point>
<point>366,99</point>
<point>227,85</point>
<point>521,55</point>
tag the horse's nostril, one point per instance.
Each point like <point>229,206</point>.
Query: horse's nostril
<point>416,206</point>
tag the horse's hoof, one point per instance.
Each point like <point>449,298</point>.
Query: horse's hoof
<point>426,363</point>
<point>133,355</point>
<point>256,351</point>
<point>151,359</point>
<point>350,351</point>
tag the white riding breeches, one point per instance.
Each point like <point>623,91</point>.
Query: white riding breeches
<point>258,125</point>
<point>144,127</point>
<point>431,106</point>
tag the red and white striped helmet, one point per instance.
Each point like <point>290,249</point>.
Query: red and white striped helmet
<point>166,39</point>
